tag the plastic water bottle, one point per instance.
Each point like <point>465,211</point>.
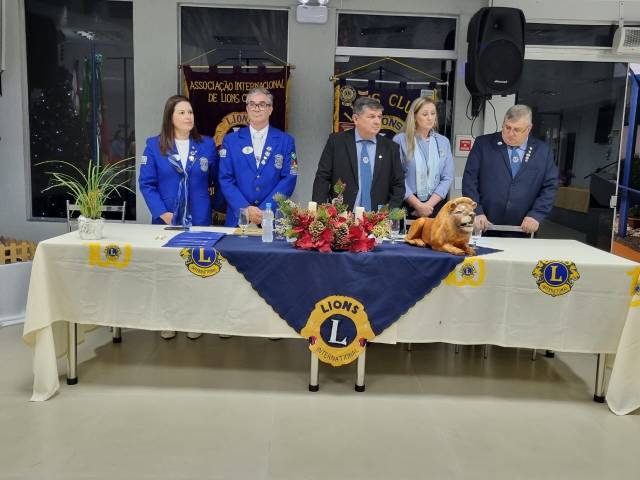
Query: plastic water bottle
<point>267,224</point>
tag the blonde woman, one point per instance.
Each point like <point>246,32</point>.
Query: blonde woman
<point>426,159</point>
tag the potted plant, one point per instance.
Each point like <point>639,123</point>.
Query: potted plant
<point>91,190</point>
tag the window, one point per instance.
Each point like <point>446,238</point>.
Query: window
<point>61,37</point>
<point>396,31</point>
<point>569,35</point>
<point>233,36</point>
<point>412,56</point>
<point>577,109</point>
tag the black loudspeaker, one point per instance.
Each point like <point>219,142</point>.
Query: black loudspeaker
<point>496,51</point>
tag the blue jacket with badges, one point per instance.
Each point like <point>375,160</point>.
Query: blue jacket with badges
<point>159,179</point>
<point>244,184</point>
<point>506,200</point>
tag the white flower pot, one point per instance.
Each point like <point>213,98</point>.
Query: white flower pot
<point>90,228</point>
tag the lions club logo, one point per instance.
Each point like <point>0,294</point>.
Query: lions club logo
<point>109,256</point>
<point>634,287</point>
<point>555,277</point>
<point>470,272</point>
<point>338,330</point>
<point>233,120</point>
<point>347,95</point>
<point>202,262</point>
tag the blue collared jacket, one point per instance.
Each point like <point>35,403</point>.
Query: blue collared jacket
<point>505,199</point>
<point>159,179</point>
<point>244,184</point>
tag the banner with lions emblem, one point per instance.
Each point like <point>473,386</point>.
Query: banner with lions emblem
<point>395,100</point>
<point>219,97</point>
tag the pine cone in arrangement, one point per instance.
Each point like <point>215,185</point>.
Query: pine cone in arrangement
<point>316,228</point>
<point>341,234</point>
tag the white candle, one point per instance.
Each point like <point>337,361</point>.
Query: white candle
<point>359,211</point>
<point>312,207</point>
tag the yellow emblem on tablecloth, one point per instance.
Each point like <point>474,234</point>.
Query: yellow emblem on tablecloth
<point>109,256</point>
<point>634,287</point>
<point>470,272</point>
<point>338,330</point>
<point>202,262</point>
<point>555,277</point>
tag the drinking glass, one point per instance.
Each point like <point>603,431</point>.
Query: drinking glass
<point>277,223</point>
<point>395,229</point>
<point>243,222</point>
<point>475,236</point>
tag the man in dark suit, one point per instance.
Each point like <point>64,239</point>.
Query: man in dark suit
<point>510,175</point>
<point>368,163</point>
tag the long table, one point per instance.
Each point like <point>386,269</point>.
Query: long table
<point>128,280</point>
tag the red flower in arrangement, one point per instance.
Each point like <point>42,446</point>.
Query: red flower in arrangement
<point>360,241</point>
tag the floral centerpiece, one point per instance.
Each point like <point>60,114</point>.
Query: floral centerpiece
<point>331,226</point>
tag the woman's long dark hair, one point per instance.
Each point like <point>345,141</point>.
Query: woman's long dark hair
<point>167,134</point>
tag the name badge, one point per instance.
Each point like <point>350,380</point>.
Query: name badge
<point>247,150</point>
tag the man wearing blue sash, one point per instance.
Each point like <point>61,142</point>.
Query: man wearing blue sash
<point>511,176</point>
<point>367,162</point>
<point>256,162</point>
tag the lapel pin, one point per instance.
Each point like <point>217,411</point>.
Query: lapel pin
<point>499,143</point>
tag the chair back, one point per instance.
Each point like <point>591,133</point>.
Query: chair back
<point>508,228</point>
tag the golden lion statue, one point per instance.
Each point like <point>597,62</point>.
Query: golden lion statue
<point>449,231</point>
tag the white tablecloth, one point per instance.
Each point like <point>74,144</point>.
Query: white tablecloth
<point>497,301</point>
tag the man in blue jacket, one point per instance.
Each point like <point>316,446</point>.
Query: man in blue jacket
<point>256,162</point>
<point>511,176</point>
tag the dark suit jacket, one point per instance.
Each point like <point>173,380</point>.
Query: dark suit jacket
<point>504,199</point>
<point>339,161</point>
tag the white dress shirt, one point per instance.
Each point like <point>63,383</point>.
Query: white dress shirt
<point>258,138</point>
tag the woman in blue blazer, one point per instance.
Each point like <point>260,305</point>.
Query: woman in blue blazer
<point>176,170</point>
<point>426,159</point>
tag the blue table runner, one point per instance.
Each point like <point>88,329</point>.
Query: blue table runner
<point>388,281</point>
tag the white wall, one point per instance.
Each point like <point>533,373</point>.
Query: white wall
<point>311,49</point>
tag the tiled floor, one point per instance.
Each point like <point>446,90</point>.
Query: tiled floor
<point>240,409</point>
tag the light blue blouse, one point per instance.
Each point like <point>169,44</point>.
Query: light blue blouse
<point>446,173</point>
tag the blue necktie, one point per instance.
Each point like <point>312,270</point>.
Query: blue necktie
<point>515,162</point>
<point>365,176</point>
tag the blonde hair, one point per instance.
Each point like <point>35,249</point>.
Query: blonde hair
<point>410,123</point>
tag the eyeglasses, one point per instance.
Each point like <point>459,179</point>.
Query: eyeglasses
<point>516,130</point>
<point>258,106</point>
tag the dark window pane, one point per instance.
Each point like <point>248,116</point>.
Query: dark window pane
<point>387,31</point>
<point>237,36</point>
<point>577,110</point>
<point>569,35</point>
<point>61,82</point>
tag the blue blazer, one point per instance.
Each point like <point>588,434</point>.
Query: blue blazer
<point>506,200</point>
<point>159,179</point>
<point>244,184</point>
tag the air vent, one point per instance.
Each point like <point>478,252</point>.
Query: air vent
<point>626,40</point>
